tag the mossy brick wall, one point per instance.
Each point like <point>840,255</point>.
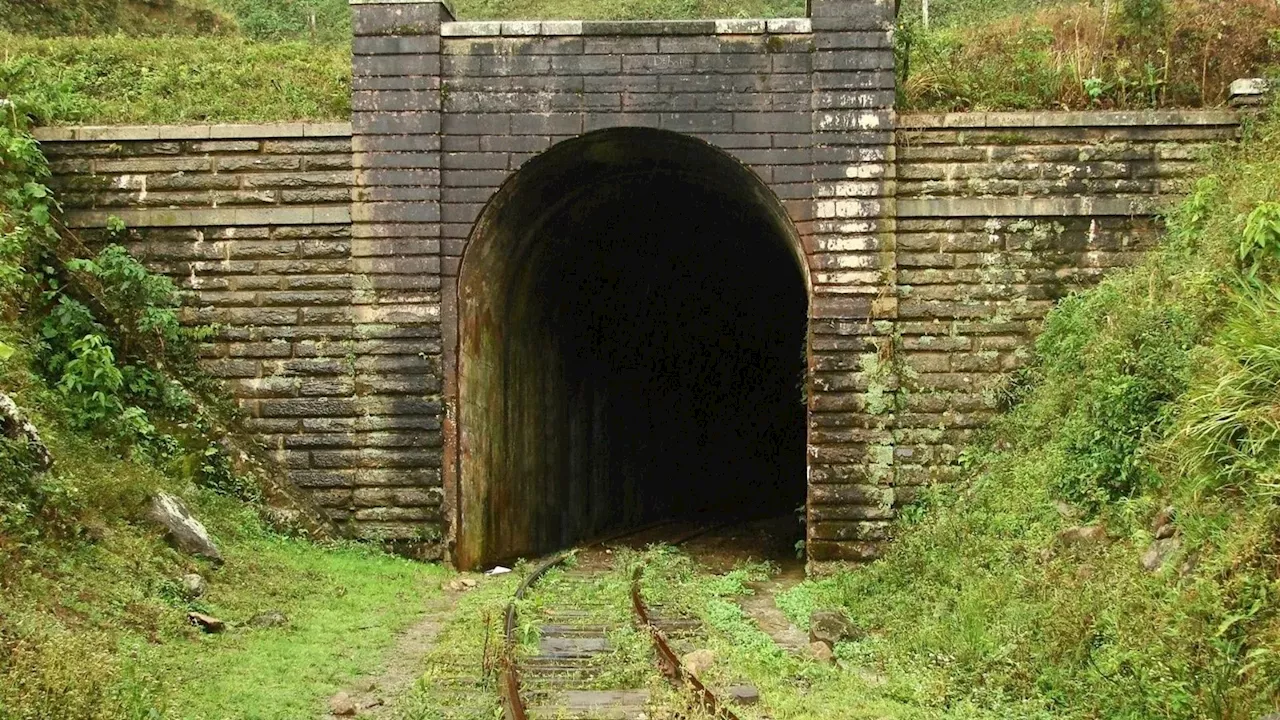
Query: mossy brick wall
<point>329,254</point>
<point>256,221</point>
<point>999,216</point>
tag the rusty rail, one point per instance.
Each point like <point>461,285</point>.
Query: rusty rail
<point>513,705</point>
<point>509,682</point>
<point>667,660</point>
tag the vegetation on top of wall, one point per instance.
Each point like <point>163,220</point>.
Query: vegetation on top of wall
<point>286,60</point>
<point>123,80</point>
<point>1123,54</point>
<point>1112,551</point>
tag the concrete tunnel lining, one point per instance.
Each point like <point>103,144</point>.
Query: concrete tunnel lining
<point>632,321</point>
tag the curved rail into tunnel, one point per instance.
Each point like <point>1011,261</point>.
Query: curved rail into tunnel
<point>632,309</point>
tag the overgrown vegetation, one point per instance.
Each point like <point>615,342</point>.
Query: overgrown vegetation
<point>1152,411</point>
<point>92,614</point>
<point>1098,54</point>
<point>137,61</point>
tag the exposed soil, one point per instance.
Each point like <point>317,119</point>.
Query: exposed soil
<point>374,694</point>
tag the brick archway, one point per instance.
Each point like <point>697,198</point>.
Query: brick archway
<point>632,309</point>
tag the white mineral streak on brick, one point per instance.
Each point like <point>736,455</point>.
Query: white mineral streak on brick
<point>864,172</point>
<point>860,227</point>
<point>847,208</point>
<point>848,262</point>
<point>858,281</point>
<point>740,27</point>
<point>850,189</point>
<point>849,244</point>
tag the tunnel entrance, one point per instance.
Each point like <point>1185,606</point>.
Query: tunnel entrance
<point>632,322</point>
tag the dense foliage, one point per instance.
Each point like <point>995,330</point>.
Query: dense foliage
<point>1158,389</point>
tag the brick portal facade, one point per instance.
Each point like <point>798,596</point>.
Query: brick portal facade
<point>330,254</point>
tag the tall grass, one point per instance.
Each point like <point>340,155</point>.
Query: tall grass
<point>1157,389</point>
<point>1091,55</point>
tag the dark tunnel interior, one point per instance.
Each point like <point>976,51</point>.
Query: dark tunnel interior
<point>632,334</point>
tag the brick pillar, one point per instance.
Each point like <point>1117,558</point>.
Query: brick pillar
<point>851,247</point>
<point>395,258</point>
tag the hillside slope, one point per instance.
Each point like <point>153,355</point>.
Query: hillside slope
<point>1115,548</point>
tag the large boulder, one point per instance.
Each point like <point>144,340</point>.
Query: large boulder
<point>183,530</point>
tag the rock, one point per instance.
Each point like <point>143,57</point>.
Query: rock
<point>1163,527</point>
<point>822,652</point>
<point>1083,536</point>
<point>193,585</point>
<point>698,662</point>
<point>184,531</point>
<point>1159,552</point>
<point>743,694</point>
<point>1189,566</point>
<point>269,619</point>
<point>207,623</point>
<point>342,705</point>
<point>460,584</point>
<point>15,425</point>
<point>831,627</point>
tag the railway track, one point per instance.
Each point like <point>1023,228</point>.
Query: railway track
<point>563,680</point>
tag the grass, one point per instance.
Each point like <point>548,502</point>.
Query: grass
<point>345,609</point>
<point>123,80</point>
<point>93,620</point>
<point>1156,389</point>
<point>288,60</point>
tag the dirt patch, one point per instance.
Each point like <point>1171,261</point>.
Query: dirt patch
<point>373,695</point>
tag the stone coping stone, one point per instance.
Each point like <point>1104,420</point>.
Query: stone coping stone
<point>1026,207</point>
<point>93,133</point>
<point>527,28</point>
<point>1061,119</point>
<point>447,5</point>
<point>214,217</point>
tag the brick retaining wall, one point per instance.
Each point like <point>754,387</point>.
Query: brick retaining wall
<point>329,255</point>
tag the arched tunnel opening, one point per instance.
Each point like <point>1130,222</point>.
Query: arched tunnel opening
<point>632,323</point>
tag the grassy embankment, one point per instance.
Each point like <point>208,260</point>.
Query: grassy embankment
<point>136,62</point>
<point>92,611</point>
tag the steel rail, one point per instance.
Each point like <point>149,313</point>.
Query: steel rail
<point>667,660</point>
<point>513,704</point>
<point>509,683</point>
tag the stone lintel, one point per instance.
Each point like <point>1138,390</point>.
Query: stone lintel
<point>1061,119</point>
<point>508,28</point>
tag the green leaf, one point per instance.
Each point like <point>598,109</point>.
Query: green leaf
<point>6,352</point>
